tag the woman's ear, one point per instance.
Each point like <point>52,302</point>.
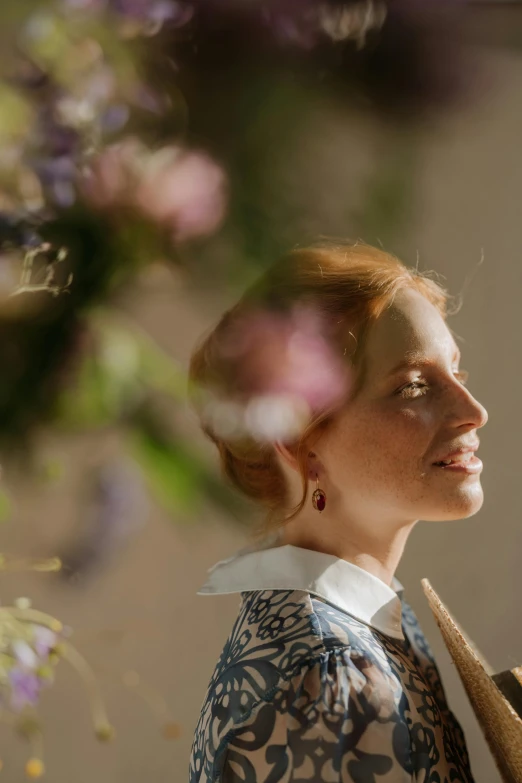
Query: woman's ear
<point>287,454</point>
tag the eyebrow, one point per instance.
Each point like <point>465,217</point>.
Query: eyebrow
<point>417,360</point>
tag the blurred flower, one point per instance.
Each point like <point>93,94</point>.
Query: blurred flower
<point>114,118</point>
<point>280,370</point>
<point>31,644</point>
<point>290,29</point>
<point>18,231</point>
<point>272,417</point>
<point>155,10</point>
<point>351,21</point>
<point>24,654</point>
<point>136,17</point>
<point>289,355</point>
<point>308,23</point>
<point>183,190</point>
<point>224,417</point>
<point>25,688</point>
<point>117,510</point>
<point>66,86</point>
<point>147,17</point>
<point>53,147</point>
<point>45,640</point>
<point>34,768</point>
<point>57,175</point>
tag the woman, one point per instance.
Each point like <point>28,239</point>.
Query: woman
<point>326,676</point>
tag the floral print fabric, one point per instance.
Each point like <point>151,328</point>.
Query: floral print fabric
<point>305,693</point>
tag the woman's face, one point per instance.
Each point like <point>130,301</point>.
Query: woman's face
<point>384,453</point>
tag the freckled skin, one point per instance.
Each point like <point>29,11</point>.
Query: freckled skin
<point>375,460</point>
<point>380,452</point>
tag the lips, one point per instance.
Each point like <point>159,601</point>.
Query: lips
<point>462,459</point>
<point>461,455</point>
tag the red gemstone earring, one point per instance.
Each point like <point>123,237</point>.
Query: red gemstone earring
<point>319,497</point>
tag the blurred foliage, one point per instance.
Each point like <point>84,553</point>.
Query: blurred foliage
<point>175,472</point>
<point>121,377</point>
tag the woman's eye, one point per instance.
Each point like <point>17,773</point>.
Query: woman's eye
<point>413,389</point>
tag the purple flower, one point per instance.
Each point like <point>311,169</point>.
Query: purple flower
<point>153,14</point>
<point>25,688</point>
<point>114,117</point>
<point>44,641</point>
<point>57,177</point>
<point>117,511</point>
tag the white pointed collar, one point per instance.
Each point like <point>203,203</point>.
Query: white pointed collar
<point>286,567</point>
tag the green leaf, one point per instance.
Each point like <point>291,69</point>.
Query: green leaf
<point>169,475</point>
<point>177,476</point>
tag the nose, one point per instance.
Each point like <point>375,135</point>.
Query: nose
<point>468,412</point>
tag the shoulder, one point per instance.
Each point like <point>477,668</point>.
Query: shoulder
<point>283,634</point>
<point>298,642</point>
<point>291,616</point>
<point>279,632</point>
<point>284,630</point>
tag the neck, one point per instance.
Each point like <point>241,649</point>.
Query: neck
<point>373,545</point>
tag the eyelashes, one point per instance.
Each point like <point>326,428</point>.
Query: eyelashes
<point>419,387</point>
<point>413,389</point>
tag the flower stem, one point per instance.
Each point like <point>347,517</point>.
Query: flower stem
<point>25,564</point>
<point>32,616</point>
<point>101,722</point>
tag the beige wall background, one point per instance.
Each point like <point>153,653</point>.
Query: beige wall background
<point>469,206</point>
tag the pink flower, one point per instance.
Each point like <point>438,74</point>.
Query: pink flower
<point>280,370</point>
<point>183,190</point>
<point>289,356</point>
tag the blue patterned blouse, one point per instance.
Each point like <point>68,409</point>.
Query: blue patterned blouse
<point>326,677</point>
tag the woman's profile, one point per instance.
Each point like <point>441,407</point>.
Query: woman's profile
<point>334,393</point>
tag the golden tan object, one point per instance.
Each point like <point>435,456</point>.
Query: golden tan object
<point>490,694</point>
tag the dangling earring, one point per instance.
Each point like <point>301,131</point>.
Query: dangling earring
<point>319,497</point>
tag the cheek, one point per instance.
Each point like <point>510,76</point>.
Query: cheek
<point>401,434</point>
<point>417,425</point>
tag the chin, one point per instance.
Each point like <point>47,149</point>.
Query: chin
<point>460,504</point>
